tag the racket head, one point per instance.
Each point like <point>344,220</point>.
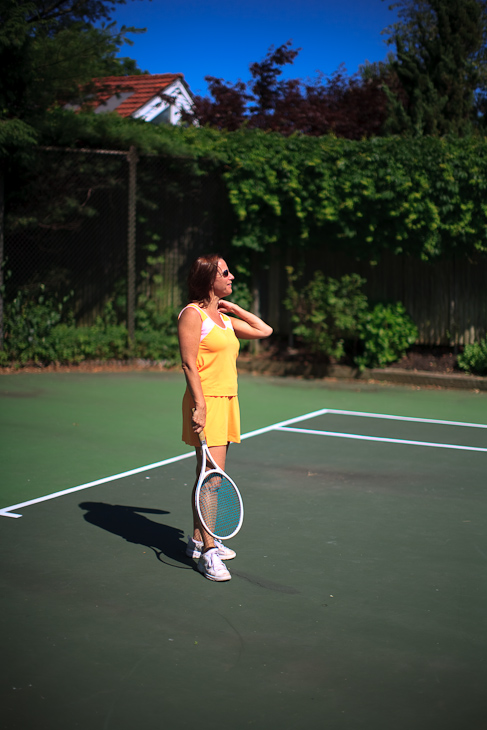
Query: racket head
<point>219,504</point>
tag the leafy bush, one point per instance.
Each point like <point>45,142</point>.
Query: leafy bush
<point>29,322</point>
<point>156,334</point>
<point>326,311</point>
<point>474,358</point>
<point>100,341</point>
<point>156,323</point>
<point>35,332</point>
<point>67,343</point>
<point>386,332</point>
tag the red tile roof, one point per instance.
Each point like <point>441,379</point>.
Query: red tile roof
<point>144,86</point>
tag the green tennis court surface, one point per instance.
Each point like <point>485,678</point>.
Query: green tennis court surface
<point>358,593</point>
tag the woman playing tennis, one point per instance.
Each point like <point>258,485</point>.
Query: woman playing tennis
<point>209,348</point>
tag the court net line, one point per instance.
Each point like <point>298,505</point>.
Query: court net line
<point>282,425</point>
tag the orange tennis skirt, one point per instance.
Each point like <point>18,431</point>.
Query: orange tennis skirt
<point>222,420</point>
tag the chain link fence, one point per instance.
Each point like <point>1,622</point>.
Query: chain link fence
<point>96,226</point>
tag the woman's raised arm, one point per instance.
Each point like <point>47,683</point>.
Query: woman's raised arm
<point>248,326</point>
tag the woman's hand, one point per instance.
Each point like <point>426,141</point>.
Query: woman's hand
<point>198,420</point>
<point>228,307</point>
<point>248,326</point>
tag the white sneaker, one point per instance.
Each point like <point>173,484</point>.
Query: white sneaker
<point>194,548</point>
<point>211,565</point>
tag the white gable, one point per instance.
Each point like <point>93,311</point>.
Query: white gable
<point>160,109</point>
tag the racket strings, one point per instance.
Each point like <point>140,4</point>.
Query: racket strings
<point>219,505</point>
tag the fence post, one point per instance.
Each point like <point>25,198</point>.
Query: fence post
<point>132,160</point>
<point>2,218</point>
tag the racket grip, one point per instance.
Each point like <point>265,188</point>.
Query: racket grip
<point>201,433</point>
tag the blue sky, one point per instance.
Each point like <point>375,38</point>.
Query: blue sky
<point>214,38</point>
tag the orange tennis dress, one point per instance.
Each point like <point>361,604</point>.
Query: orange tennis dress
<point>216,363</point>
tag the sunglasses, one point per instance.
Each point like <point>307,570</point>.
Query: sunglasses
<point>224,273</point>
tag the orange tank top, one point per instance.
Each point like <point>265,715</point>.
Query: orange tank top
<point>217,355</point>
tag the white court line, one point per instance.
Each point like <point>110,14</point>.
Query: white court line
<point>379,438</point>
<point>259,431</point>
<point>8,511</point>
<point>405,418</point>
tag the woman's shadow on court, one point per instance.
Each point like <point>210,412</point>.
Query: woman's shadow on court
<point>128,523</point>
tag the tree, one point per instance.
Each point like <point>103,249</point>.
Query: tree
<point>351,107</point>
<point>266,89</point>
<point>440,64</point>
<point>227,108</point>
<point>49,48</point>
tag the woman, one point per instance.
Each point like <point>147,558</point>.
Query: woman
<point>209,348</point>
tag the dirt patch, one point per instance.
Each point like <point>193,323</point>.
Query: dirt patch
<point>421,359</point>
<point>436,360</point>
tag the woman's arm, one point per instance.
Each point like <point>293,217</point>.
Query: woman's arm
<point>189,333</point>
<point>248,326</point>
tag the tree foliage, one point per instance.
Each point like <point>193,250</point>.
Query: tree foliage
<point>440,63</point>
<point>435,84</point>
<point>352,107</point>
<point>49,48</point>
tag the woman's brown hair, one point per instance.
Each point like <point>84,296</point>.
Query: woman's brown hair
<point>201,278</point>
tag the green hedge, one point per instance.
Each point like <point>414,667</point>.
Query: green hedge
<point>423,197</point>
<point>41,330</point>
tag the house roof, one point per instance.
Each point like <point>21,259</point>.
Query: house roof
<point>138,90</point>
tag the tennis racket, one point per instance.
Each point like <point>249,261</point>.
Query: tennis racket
<point>218,501</point>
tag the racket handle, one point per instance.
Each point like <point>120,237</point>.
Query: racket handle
<point>201,433</point>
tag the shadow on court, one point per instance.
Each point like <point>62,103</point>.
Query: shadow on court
<point>126,522</point>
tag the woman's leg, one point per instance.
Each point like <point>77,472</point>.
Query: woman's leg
<point>219,455</point>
